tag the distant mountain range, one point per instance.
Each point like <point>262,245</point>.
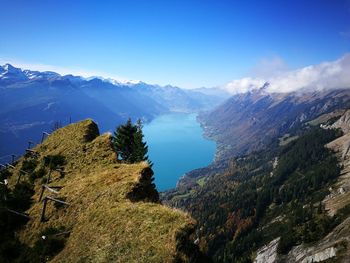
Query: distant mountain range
<point>33,101</point>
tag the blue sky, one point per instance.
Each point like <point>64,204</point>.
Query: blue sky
<point>186,43</point>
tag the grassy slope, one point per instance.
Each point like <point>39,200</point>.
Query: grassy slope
<point>104,225</point>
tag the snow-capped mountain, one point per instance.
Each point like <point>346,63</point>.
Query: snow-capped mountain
<point>33,101</point>
<point>9,72</point>
<point>37,74</point>
<point>115,81</point>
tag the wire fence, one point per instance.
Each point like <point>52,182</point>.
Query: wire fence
<point>12,158</point>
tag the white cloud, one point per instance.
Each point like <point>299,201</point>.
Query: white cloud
<point>327,75</point>
<point>243,85</point>
<point>63,70</point>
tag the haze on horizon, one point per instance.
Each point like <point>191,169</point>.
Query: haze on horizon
<point>189,44</point>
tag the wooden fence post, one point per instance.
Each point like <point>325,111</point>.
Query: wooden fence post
<point>30,144</point>
<point>41,193</point>
<point>13,158</point>
<point>42,218</point>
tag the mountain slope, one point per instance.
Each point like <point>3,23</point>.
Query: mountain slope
<point>280,191</point>
<point>34,106</point>
<point>113,213</point>
<point>292,198</point>
<point>258,120</point>
<point>251,121</point>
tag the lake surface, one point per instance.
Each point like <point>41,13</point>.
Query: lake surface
<point>176,145</point>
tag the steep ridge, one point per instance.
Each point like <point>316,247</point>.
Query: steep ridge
<point>251,121</point>
<point>109,211</point>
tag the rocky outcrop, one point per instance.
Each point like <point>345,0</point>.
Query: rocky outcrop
<point>339,195</point>
<point>321,256</point>
<point>334,245</point>
<point>343,122</point>
<point>268,253</point>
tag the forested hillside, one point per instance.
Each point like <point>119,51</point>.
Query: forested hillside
<point>276,194</point>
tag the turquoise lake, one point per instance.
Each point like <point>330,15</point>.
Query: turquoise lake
<point>176,145</point>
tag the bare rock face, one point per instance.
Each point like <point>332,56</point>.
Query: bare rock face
<point>321,256</point>
<point>334,245</point>
<point>268,253</point>
<point>340,192</point>
<point>311,254</point>
<point>343,123</point>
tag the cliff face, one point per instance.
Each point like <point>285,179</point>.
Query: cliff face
<point>108,211</point>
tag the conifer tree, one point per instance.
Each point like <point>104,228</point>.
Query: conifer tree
<point>128,142</point>
<point>141,148</point>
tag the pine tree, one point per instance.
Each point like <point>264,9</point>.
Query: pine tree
<point>141,148</point>
<point>123,141</point>
<point>128,142</point>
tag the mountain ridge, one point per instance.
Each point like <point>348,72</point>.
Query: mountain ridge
<point>34,102</point>
<point>249,121</point>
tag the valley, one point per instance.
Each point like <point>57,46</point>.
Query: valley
<point>175,131</point>
<point>176,146</point>
<point>265,175</point>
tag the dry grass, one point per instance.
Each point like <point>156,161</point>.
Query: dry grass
<point>105,226</point>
